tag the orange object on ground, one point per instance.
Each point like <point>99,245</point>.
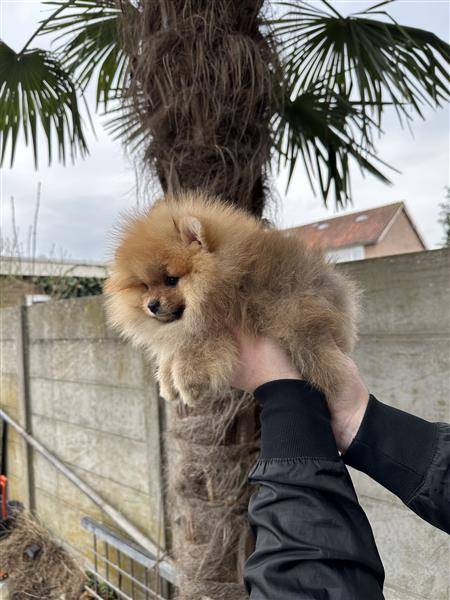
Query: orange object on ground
<point>3,490</point>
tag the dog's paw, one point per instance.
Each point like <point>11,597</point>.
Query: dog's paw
<point>168,392</point>
<point>167,389</point>
<point>191,394</point>
<point>183,409</point>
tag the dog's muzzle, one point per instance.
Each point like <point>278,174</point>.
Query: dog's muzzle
<point>165,316</point>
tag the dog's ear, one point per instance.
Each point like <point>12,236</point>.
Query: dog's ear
<point>191,231</point>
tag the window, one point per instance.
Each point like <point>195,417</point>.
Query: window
<point>346,254</point>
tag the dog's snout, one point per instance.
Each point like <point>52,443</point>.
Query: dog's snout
<point>154,306</point>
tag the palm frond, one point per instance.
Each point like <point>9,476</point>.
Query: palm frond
<point>374,61</point>
<point>325,131</point>
<point>124,124</point>
<point>35,90</point>
<point>89,44</point>
<point>46,87</point>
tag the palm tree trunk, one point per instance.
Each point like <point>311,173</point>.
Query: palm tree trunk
<point>201,81</point>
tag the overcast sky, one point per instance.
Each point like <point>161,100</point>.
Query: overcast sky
<point>80,202</point>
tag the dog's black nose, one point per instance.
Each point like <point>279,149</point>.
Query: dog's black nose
<point>154,306</point>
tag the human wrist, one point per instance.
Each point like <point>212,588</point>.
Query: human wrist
<point>273,377</point>
<point>295,421</point>
<point>346,425</point>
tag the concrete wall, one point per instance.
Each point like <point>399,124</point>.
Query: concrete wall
<point>404,354</point>
<point>93,401</point>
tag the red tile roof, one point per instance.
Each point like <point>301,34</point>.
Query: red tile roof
<point>359,228</point>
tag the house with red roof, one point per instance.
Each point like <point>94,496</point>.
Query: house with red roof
<point>381,231</point>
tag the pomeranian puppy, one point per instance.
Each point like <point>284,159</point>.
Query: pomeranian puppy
<point>190,270</point>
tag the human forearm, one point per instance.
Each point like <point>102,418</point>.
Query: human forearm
<point>407,455</point>
<point>312,537</point>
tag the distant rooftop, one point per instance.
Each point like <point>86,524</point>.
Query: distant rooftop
<point>44,267</point>
<point>362,228</point>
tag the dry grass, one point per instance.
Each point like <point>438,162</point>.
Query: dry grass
<point>52,575</point>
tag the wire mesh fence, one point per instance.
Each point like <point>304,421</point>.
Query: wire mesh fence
<point>123,570</point>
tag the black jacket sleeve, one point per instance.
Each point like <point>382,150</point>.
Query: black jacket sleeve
<point>313,540</point>
<point>408,456</point>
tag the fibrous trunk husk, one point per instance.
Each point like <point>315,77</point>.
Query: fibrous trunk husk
<point>209,495</point>
<point>201,82</point>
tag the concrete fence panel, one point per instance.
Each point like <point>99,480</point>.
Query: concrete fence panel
<point>404,355</point>
<point>93,401</point>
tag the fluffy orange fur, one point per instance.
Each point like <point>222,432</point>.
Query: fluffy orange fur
<point>207,268</point>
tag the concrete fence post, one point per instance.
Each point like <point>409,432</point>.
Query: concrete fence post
<point>24,401</point>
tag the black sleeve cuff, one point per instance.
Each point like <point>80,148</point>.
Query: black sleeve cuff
<point>393,447</point>
<point>295,421</point>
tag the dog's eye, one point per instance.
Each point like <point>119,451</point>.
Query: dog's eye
<point>171,281</point>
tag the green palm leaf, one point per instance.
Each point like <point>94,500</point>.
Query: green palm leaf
<point>40,87</point>
<point>325,130</point>
<point>90,45</point>
<point>124,125</point>
<point>374,61</point>
<point>35,90</point>
<point>341,73</point>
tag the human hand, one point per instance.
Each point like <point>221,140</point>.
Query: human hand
<point>348,406</point>
<point>260,360</point>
